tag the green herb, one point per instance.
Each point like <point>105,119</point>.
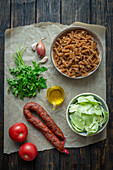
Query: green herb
<point>26,79</point>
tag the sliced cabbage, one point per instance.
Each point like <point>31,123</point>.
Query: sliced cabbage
<point>76,128</point>
<point>88,99</point>
<point>93,128</point>
<point>73,108</point>
<point>87,115</point>
<point>76,119</point>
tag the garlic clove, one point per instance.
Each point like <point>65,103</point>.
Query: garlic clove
<point>44,60</point>
<point>33,46</point>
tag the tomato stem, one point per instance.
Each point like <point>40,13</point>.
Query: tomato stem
<point>20,134</point>
<point>26,156</point>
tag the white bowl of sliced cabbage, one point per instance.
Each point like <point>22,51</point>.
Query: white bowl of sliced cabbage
<point>87,114</point>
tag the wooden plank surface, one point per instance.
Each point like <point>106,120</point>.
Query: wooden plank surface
<point>23,12</point>
<point>4,24</point>
<point>48,10</point>
<point>101,153</point>
<point>72,11</point>
<point>109,54</point>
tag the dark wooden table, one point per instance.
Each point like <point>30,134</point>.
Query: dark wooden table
<point>15,13</point>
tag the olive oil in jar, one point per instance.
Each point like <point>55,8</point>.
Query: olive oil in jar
<point>55,95</point>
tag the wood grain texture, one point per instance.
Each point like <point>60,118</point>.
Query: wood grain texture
<point>47,160</point>
<point>15,162</point>
<point>72,11</point>
<point>101,153</point>
<point>77,159</point>
<point>4,24</point>
<point>48,10</point>
<point>22,12</point>
<point>109,56</point>
<point>70,161</point>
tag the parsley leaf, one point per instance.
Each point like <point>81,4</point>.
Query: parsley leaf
<point>26,80</point>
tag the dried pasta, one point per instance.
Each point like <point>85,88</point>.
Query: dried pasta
<point>76,53</point>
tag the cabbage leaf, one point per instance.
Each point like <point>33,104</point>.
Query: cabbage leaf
<point>87,115</point>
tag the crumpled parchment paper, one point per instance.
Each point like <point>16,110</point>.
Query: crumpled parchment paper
<point>13,107</point>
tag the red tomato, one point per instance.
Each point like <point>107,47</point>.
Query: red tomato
<point>18,132</point>
<point>28,151</point>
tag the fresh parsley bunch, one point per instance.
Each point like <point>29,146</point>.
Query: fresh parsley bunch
<point>26,80</point>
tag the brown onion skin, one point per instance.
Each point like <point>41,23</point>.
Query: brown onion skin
<point>41,49</point>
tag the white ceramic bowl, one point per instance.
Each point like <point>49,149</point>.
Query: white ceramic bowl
<point>95,37</point>
<point>98,98</point>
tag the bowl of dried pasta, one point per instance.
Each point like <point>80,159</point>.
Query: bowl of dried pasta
<point>76,52</point>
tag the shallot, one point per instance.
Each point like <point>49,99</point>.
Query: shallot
<point>41,49</point>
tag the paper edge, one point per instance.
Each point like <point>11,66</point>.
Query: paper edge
<point>50,23</point>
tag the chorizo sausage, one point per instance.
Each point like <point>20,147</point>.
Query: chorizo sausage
<point>41,126</point>
<point>45,117</point>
